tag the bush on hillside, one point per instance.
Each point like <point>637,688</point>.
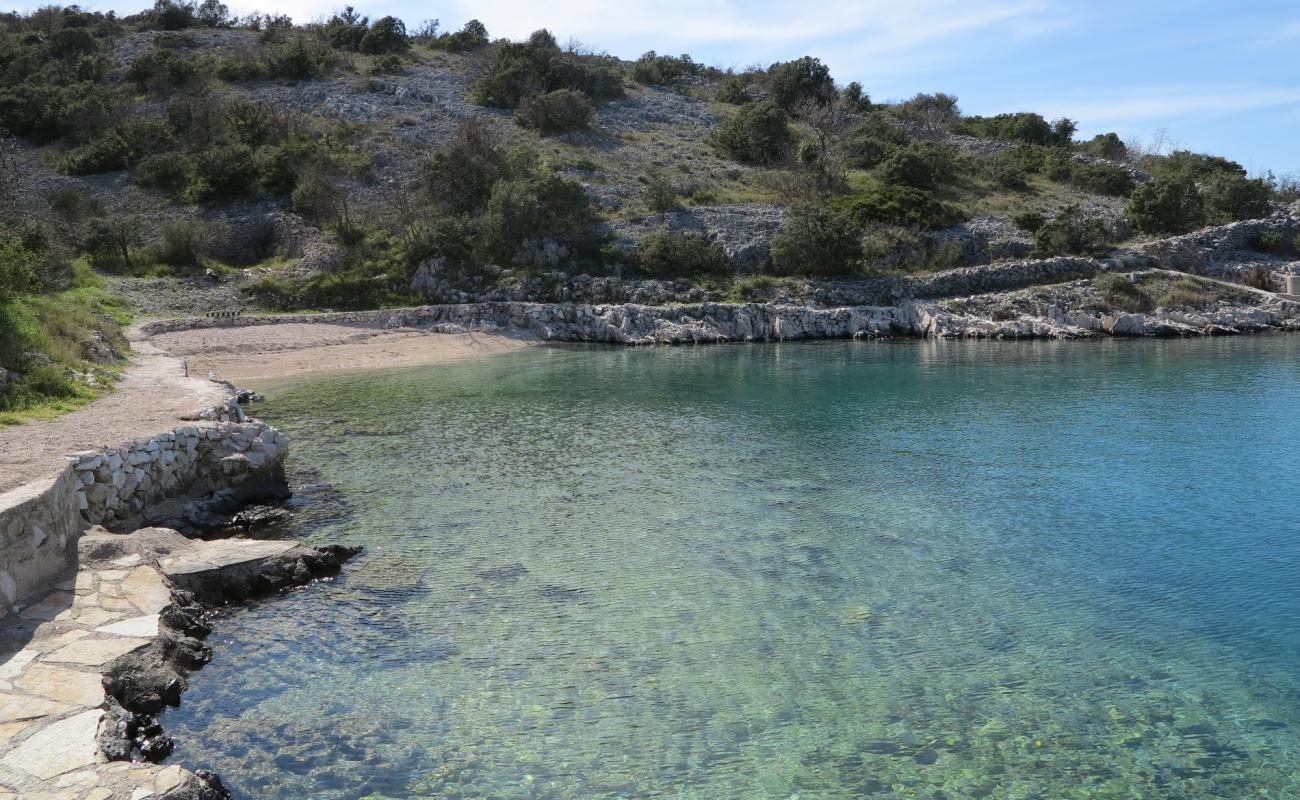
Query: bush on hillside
<point>458,177</point>
<point>345,29</point>
<point>653,69</point>
<point>660,194</point>
<point>855,99</point>
<point>385,35</point>
<point>74,205</point>
<point>804,80</point>
<point>538,65</point>
<point>902,205</point>
<point>159,70</point>
<point>1106,145</point>
<point>817,240</point>
<point>1021,127</point>
<point>1191,190</point>
<point>536,207</point>
<point>931,111</point>
<point>759,133</point>
<point>120,146</point>
<point>735,90</point>
<point>680,255</point>
<point>1072,232</point>
<point>873,141</point>
<point>17,269</point>
<point>471,36</point>
<point>170,15</point>
<point>921,165</point>
<point>1102,179</point>
<point>560,111</point>
<point>183,243</point>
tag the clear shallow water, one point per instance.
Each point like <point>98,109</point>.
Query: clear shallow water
<point>824,570</point>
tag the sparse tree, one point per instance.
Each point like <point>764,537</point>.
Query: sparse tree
<point>213,14</point>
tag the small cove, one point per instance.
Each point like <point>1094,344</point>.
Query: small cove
<point>825,569</point>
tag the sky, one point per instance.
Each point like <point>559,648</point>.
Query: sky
<point>1208,75</point>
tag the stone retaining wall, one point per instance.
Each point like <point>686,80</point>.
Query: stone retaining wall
<point>118,485</point>
<point>41,522</point>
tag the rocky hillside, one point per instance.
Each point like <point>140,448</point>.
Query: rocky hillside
<point>199,163</point>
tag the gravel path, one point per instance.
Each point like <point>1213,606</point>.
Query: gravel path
<point>153,396</point>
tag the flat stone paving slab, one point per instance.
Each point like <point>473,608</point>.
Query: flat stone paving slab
<point>223,553</point>
<point>58,747</point>
<point>52,655</point>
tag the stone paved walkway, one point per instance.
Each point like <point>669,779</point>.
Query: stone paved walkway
<point>51,657</point>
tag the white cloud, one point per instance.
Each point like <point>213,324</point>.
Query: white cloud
<point>1144,104</point>
<point>876,27</point>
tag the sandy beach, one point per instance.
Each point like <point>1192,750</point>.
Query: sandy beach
<point>260,352</point>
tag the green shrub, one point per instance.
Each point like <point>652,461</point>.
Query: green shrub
<point>855,99</point>
<point>110,241</point>
<point>537,66</point>
<point>759,133</point>
<point>385,35</point>
<point>387,64</point>
<point>817,240</point>
<point>1166,206</point>
<point>120,146</point>
<point>240,67</point>
<point>1277,243</point>
<point>166,172</point>
<point>74,205</point>
<point>560,111</point>
<point>920,165</point>
<point>17,269</point>
<point>873,141</point>
<point>734,89</point>
<point>173,16</point>
<point>159,70</point>
<point>680,255</point>
<point>653,69</point>
<point>804,80</point>
<point>902,205</point>
<point>345,29</point>
<point>537,207</point>
<point>1021,127</point>
<point>472,36</point>
<point>222,172</point>
<point>1106,145</point>
<point>300,59</point>
<point>660,194</point>
<point>931,111</point>
<point>1031,221</point>
<point>1120,291</point>
<point>183,243</point>
<point>1191,190</point>
<point>1072,233</point>
<point>458,177</point>
<point>1101,179</point>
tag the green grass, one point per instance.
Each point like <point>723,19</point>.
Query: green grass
<point>53,327</point>
<point>1144,292</point>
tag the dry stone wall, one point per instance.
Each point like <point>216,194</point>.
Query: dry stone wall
<point>41,522</point>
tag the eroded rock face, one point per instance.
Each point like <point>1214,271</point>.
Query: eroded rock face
<point>744,231</point>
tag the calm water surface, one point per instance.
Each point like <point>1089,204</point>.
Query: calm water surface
<point>823,570</point>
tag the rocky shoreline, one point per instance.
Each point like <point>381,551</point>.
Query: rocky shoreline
<point>109,649</point>
<point>87,661</point>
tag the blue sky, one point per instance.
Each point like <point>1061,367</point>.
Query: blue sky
<point>1222,77</point>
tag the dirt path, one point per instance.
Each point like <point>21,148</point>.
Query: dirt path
<point>260,352</point>
<point>156,393</point>
<point>151,397</point>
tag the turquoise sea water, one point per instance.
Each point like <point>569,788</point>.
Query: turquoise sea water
<point>821,570</point>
